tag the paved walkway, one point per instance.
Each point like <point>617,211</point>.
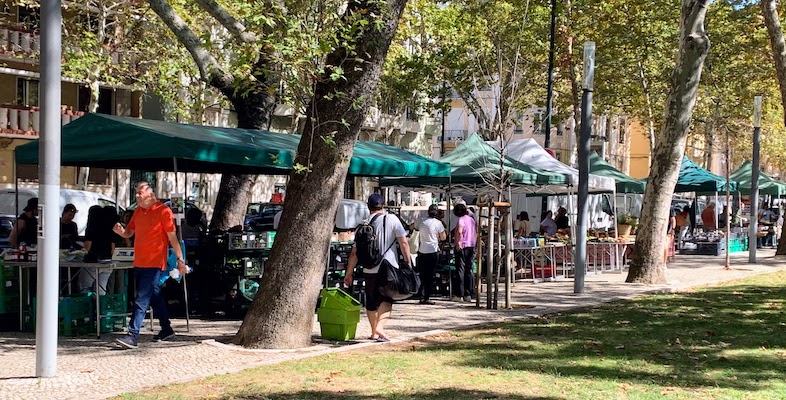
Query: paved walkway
<point>89,368</point>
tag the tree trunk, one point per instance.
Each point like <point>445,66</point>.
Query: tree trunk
<point>773,22</point>
<point>647,264</point>
<point>282,313</point>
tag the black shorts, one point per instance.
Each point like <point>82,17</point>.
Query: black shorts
<point>373,297</point>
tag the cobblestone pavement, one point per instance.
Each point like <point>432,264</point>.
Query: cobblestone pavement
<point>90,368</point>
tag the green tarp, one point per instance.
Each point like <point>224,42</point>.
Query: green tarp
<point>474,162</point>
<point>108,141</point>
<point>767,185</point>
<point>624,183</point>
<point>694,178</point>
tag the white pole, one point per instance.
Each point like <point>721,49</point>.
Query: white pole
<point>614,210</point>
<point>49,190</point>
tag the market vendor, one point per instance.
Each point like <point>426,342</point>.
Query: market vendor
<point>562,220</point>
<point>548,226</point>
<point>708,217</point>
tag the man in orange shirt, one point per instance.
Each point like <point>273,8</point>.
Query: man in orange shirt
<point>153,226</point>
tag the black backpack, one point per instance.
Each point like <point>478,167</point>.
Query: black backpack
<point>367,245</point>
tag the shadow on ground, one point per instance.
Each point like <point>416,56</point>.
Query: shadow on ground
<point>452,394</point>
<point>688,340</point>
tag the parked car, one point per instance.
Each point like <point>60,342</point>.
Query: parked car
<point>82,199</point>
<point>259,216</point>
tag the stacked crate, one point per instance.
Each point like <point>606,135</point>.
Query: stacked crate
<point>114,308</point>
<point>74,315</point>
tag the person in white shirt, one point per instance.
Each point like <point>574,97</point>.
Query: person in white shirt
<point>431,231</point>
<point>548,225</point>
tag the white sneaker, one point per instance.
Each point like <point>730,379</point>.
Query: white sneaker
<point>467,299</point>
<point>455,298</point>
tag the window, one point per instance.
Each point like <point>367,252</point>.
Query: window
<point>622,131</point>
<point>29,16</point>
<point>99,176</point>
<point>27,92</point>
<point>106,99</point>
<point>537,123</point>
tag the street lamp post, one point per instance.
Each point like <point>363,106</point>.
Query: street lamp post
<point>754,197</point>
<point>583,156</point>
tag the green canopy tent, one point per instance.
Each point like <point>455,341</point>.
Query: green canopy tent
<point>108,141</point>
<point>767,185</point>
<point>694,178</point>
<point>474,164</point>
<point>624,183</point>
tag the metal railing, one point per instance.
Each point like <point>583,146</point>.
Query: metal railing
<point>22,120</point>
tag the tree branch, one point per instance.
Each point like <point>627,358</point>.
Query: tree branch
<point>209,68</point>
<point>228,21</point>
<point>775,32</point>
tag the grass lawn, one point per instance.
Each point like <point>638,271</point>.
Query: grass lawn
<point>726,342</point>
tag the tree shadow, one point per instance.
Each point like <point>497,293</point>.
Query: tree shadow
<point>435,394</point>
<point>675,339</point>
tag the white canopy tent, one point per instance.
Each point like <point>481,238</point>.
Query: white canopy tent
<point>529,152</point>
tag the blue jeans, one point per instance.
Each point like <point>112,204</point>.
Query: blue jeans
<point>148,293</point>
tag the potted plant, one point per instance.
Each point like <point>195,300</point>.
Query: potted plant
<point>625,223</point>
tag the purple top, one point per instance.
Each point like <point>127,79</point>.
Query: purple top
<point>468,234</point>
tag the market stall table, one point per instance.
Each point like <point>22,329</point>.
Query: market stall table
<point>540,258</point>
<point>26,265</point>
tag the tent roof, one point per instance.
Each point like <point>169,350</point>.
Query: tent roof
<point>528,151</point>
<point>474,162</point>
<point>108,141</point>
<point>694,178</point>
<point>767,185</point>
<point>625,183</point>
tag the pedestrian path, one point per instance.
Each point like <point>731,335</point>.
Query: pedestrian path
<point>90,368</point>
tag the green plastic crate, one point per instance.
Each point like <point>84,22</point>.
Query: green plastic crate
<point>115,323</point>
<point>341,332</point>
<point>113,304</point>
<point>74,315</point>
<point>9,304</point>
<point>333,316</point>
<point>9,282</point>
<point>337,299</point>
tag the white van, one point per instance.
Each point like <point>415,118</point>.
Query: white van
<point>83,200</point>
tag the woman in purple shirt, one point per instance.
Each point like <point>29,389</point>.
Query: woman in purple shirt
<point>465,238</point>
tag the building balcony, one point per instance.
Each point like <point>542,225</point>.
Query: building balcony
<point>18,40</point>
<point>26,121</point>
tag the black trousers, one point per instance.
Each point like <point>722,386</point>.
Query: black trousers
<point>464,279</point>
<point>427,263</point>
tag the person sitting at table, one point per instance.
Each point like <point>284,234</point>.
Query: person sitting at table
<point>524,228</point>
<point>68,230</point>
<point>548,226</point>
<point>99,243</point>
<point>562,220</point>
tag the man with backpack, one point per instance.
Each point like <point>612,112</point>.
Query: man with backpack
<point>374,242</point>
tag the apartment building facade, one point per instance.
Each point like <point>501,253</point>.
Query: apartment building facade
<point>19,100</point>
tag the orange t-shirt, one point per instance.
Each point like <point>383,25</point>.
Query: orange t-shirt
<point>150,235</point>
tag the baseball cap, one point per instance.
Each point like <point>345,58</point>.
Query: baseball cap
<point>376,201</point>
<point>32,204</point>
<point>433,208</point>
<point>70,207</point>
